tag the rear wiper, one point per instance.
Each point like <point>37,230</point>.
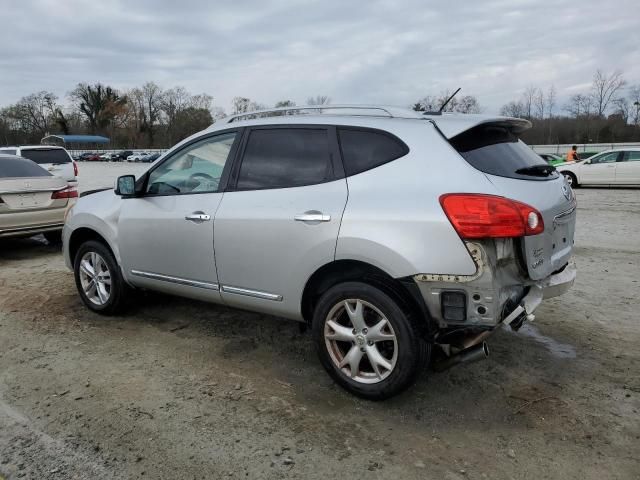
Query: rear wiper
<point>541,170</point>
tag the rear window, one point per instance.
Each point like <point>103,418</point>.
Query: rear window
<point>366,149</point>
<point>46,155</point>
<point>15,167</point>
<point>496,150</point>
<point>8,151</point>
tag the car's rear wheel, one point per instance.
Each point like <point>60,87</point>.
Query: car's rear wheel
<point>571,179</point>
<point>99,280</point>
<point>366,342</point>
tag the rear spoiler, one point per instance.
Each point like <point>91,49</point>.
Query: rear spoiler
<point>452,125</point>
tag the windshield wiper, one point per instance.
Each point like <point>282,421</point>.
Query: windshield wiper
<point>541,170</point>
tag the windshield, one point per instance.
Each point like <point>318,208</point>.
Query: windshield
<point>496,150</point>
<point>46,155</point>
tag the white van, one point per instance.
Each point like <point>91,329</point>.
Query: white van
<point>56,160</point>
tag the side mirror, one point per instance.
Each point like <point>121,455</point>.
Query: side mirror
<point>126,186</point>
<point>587,162</point>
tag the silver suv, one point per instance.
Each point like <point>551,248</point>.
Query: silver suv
<point>388,231</point>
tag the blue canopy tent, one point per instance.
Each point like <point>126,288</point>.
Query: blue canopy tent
<point>74,141</point>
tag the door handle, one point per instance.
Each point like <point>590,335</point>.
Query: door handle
<point>312,216</point>
<point>198,217</point>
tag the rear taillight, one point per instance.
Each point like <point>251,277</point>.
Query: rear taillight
<point>69,192</point>
<point>75,169</point>
<point>475,215</point>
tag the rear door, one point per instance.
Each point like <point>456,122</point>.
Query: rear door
<point>280,221</point>
<point>599,169</point>
<point>57,161</point>
<point>519,174</point>
<point>628,168</point>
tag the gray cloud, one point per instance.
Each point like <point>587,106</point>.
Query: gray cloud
<point>356,52</point>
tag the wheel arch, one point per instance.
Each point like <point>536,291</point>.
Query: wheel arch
<point>82,235</point>
<point>403,290</point>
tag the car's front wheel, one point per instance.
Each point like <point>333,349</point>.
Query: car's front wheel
<point>99,280</point>
<point>366,342</point>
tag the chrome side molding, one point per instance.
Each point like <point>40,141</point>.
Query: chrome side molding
<point>178,280</point>
<point>252,293</point>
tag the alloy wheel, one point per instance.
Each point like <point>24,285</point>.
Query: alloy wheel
<point>361,341</point>
<point>95,278</point>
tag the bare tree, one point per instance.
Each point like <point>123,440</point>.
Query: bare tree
<point>634,100</point>
<point>622,108</point>
<point>513,109</point>
<point>604,89</point>
<point>551,100</point>
<point>539,103</point>
<point>468,104</point>
<point>319,100</point>
<point>37,111</point>
<point>528,97</point>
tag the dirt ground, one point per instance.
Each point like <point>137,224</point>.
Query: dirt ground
<point>179,389</point>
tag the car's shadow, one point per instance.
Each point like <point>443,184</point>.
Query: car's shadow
<point>22,248</point>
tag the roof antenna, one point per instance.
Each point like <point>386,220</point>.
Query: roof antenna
<point>449,99</point>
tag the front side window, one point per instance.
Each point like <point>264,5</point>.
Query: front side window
<point>364,149</point>
<point>606,158</point>
<point>195,169</point>
<point>631,156</point>
<point>285,157</point>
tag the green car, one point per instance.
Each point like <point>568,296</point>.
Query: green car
<point>552,159</point>
<point>555,160</point>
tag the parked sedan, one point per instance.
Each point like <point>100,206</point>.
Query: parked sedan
<point>611,167</point>
<point>89,157</point>
<point>32,200</point>
<point>150,158</point>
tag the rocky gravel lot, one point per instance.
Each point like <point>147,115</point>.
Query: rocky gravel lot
<point>180,389</point>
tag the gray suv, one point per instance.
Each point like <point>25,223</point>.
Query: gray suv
<point>389,232</point>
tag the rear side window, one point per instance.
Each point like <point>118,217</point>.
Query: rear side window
<point>46,155</point>
<point>496,150</point>
<point>15,167</point>
<point>285,157</point>
<point>366,149</point>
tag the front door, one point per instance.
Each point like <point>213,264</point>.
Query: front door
<point>628,168</point>
<point>280,223</point>
<point>599,169</point>
<point>166,235</point>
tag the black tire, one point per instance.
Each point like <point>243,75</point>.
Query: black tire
<point>413,352</point>
<point>119,290</point>
<point>54,238</point>
<point>574,181</point>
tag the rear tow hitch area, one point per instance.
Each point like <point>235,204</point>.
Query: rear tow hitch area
<point>472,348</point>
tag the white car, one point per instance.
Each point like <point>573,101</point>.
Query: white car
<point>56,160</point>
<point>611,167</point>
<point>136,157</point>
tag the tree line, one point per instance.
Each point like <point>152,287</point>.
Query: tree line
<point>142,117</point>
<point>606,112</point>
<point>152,117</point>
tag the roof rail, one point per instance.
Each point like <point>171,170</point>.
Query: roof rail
<point>390,112</point>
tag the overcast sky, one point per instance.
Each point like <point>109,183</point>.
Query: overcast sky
<point>390,52</point>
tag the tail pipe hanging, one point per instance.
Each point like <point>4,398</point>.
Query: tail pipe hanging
<point>468,355</point>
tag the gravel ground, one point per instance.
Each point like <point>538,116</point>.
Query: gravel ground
<point>180,389</point>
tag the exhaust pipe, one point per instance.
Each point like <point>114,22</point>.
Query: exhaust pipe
<point>471,354</point>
